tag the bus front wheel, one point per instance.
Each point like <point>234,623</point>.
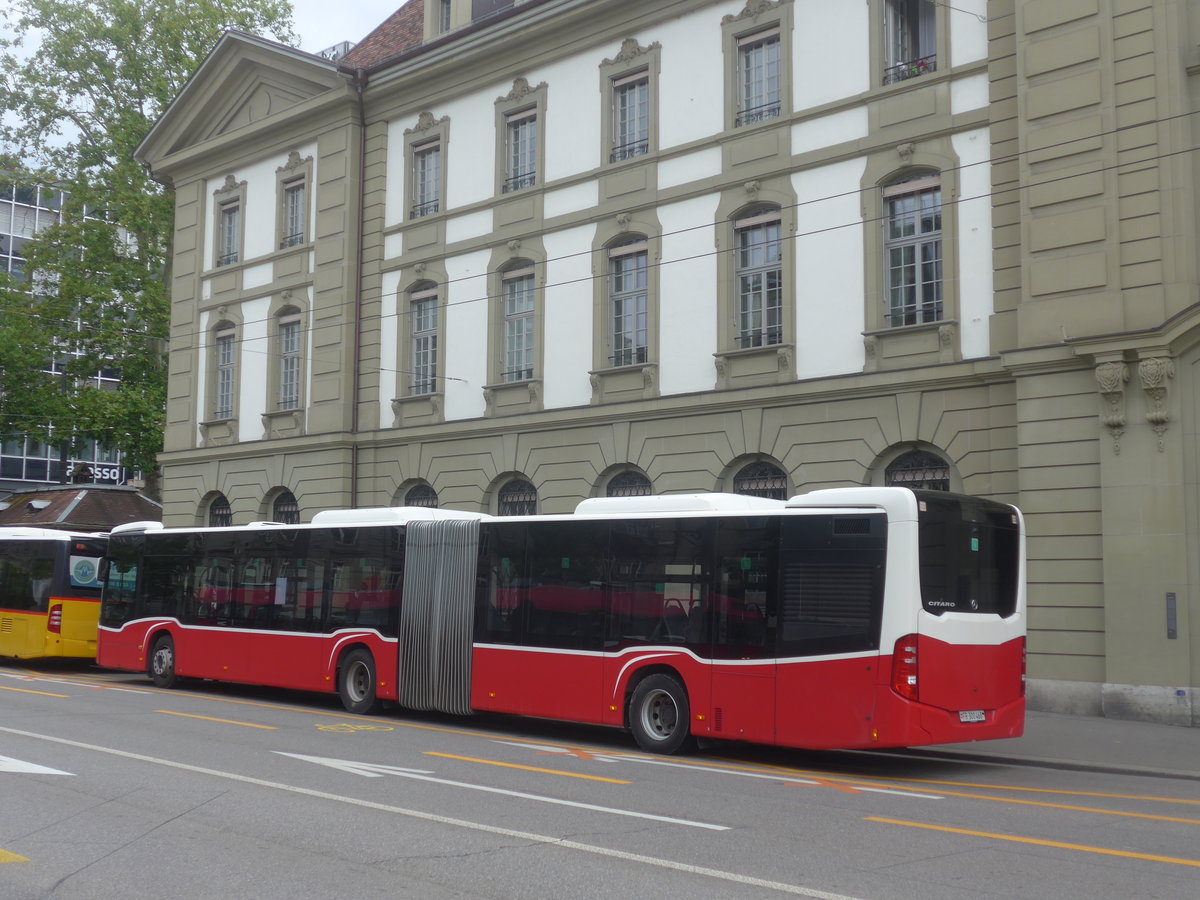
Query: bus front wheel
<point>162,662</point>
<point>660,715</point>
<point>356,683</point>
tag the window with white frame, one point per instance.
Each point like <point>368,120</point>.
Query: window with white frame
<point>426,179</point>
<point>289,362</point>
<point>758,77</point>
<point>444,9</point>
<point>910,39</point>
<point>518,290</point>
<point>229,232</point>
<point>913,250</point>
<point>423,366</point>
<point>224,347</point>
<point>759,273</point>
<point>628,268</point>
<point>631,116</point>
<point>294,213</point>
<point>521,160</point>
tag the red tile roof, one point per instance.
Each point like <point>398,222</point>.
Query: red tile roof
<point>403,29</point>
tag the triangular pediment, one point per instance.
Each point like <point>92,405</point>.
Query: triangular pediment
<point>244,85</point>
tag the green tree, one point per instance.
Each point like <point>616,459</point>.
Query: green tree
<point>83,83</point>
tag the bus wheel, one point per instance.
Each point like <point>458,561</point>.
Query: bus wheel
<point>162,662</point>
<point>660,716</point>
<point>356,683</point>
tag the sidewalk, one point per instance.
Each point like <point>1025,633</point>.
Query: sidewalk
<point>1093,742</point>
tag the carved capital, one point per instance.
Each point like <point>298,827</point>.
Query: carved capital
<point>752,188</point>
<point>752,10</point>
<point>426,122</point>
<point>1111,378</point>
<point>783,360</point>
<point>630,50</point>
<point>1155,373</point>
<point>229,186</point>
<point>514,246</point>
<point>905,151</point>
<point>293,162</point>
<point>520,90</point>
<point>623,220</point>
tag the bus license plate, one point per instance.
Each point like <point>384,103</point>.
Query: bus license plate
<point>971,715</point>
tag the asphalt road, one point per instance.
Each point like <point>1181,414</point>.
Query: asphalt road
<point>111,788</point>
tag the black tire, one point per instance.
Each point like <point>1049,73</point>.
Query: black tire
<point>161,664</point>
<point>660,716</point>
<point>356,683</point>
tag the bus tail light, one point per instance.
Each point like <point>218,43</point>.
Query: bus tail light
<point>904,668</point>
<point>54,621</point>
<point>1024,656</point>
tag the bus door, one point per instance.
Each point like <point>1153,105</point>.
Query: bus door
<point>831,579</point>
<point>742,622</point>
<point>82,588</point>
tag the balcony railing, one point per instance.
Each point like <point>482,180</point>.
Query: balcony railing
<point>759,113</point>
<point>428,208</point>
<point>760,337</point>
<point>519,182</point>
<point>291,240</point>
<point>630,150</point>
<point>913,68</point>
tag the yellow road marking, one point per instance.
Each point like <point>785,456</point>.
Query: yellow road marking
<point>492,762</point>
<point>1089,809</point>
<point>6,857</point>
<point>167,712</point>
<point>39,693</point>
<point>1083,848</point>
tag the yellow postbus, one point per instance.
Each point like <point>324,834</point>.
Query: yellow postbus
<point>49,592</point>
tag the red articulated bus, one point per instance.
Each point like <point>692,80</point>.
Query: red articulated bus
<point>844,618</point>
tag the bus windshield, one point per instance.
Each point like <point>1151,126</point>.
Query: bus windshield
<point>969,554</point>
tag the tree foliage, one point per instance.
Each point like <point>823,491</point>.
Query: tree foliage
<point>83,83</point>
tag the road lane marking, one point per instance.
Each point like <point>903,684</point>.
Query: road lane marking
<point>532,837</point>
<point>167,712</point>
<point>1040,842</point>
<point>522,795</point>
<point>507,765</point>
<point>351,727</point>
<point>1072,808</point>
<point>6,857</point>
<point>29,691</point>
<point>8,764</point>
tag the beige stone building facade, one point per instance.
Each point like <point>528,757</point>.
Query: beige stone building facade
<point>506,256</point>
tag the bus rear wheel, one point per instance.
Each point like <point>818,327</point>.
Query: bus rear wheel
<point>660,715</point>
<point>356,683</point>
<point>162,662</point>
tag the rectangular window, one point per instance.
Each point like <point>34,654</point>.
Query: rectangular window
<point>914,251</point>
<point>759,281</point>
<point>910,39</point>
<point>424,342</point>
<point>426,179</point>
<point>521,154</point>
<point>229,233</point>
<point>628,280</point>
<point>444,9</point>
<point>631,116</point>
<point>758,78</point>
<point>293,214</point>
<point>289,363</point>
<point>223,402</point>
<point>518,325</point>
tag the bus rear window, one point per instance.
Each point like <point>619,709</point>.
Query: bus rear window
<point>970,554</point>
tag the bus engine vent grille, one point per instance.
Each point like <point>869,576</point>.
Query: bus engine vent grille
<point>6,626</point>
<point>855,525</point>
<point>718,717</point>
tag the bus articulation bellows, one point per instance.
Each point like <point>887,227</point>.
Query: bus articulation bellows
<point>49,592</point>
<point>843,618</point>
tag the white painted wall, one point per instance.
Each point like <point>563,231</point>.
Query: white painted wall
<point>252,363</point>
<point>969,93</point>
<point>466,335</point>
<point>687,304</point>
<point>691,86</point>
<point>567,343</point>
<point>968,31</point>
<point>974,241</point>
<point>830,288</point>
<point>831,130</point>
<point>389,346</point>
<point>830,51</point>
<point>689,167</point>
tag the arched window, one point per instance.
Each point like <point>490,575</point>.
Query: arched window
<point>517,498</point>
<point>421,495</point>
<point>219,513</point>
<point>285,509</point>
<point>918,469</point>
<point>629,484</point>
<point>761,479</point>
